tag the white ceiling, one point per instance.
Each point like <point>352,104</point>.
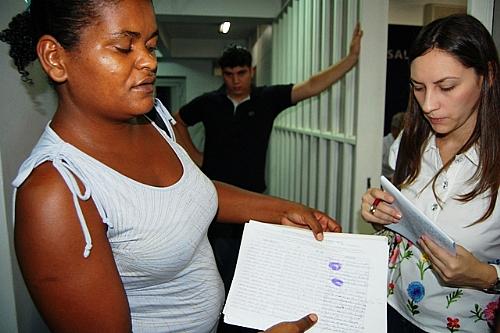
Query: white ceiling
<point>188,22</point>
<point>196,27</point>
<point>191,22</point>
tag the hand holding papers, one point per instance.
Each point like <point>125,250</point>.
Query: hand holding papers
<point>414,223</point>
<point>283,273</point>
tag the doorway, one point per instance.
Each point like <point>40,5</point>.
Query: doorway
<point>171,91</point>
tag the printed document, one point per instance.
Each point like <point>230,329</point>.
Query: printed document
<point>284,273</point>
<point>414,223</point>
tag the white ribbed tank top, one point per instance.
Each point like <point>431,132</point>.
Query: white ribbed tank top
<point>158,235</point>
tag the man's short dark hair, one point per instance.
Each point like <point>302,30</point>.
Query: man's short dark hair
<point>234,56</point>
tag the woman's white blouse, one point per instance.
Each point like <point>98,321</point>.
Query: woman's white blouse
<point>414,290</point>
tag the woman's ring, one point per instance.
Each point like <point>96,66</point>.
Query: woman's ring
<point>374,205</point>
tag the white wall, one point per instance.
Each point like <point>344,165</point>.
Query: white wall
<point>24,112</point>
<point>199,79</point>
<point>483,11</point>
<point>200,48</point>
<point>371,99</point>
<point>198,73</point>
<point>7,309</point>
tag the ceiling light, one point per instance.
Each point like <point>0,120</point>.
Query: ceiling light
<point>224,27</point>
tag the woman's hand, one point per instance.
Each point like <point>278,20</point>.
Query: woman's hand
<point>462,270</point>
<point>305,217</point>
<point>297,326</point>
<point>376,209</point>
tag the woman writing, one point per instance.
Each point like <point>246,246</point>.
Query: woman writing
<point>111,214</point>
<point>448,162</point>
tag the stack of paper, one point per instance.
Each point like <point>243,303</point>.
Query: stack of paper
<point>413,223</point>
<point>283,274</point>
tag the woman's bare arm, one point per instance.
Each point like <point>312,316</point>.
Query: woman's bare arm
<point>72,293</point>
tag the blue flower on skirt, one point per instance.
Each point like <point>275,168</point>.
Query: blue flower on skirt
<point>416,291</point>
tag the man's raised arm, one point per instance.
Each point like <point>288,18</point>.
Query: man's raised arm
<point>324,79</point>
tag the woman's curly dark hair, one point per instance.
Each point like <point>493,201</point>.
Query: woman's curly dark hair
<point>62,19</point>
<point>19,36</point>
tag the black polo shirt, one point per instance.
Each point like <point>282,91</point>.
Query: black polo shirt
<point>236,141</point>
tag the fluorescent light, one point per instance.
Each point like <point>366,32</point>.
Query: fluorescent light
<point>224,27</point>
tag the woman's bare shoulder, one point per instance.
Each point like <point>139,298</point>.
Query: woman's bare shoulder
<point>70,291</point>
<point>44,194</point>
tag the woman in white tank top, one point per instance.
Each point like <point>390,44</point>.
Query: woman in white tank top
<point>111,214</point>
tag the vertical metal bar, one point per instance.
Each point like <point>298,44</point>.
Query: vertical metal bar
<point>297,162</point>
<point>323,169</point>
<point>315,59</point>
<point>295,54</point>
<point>313,172</point>
<point>346,186</point>
<point>289,60</point>
<point>305,61</point>
<point>272,174</point>
<point>349,91</point>
<point>332,179</point>
<point>276,38</point>
<point>305,171</point>
<point>286,165</point>
<point>336,114</point>
<point>324,62</point>
<point>272,163</point>
<point>282,168</point>
<point>290,183</point>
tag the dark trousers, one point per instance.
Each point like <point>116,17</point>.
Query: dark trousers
<point>396,323</point>
<point>225,240</point>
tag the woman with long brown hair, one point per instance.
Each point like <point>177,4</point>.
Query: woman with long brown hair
<point>447,162</point>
